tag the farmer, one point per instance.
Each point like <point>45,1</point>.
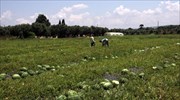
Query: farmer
<point>92,41</point>
<point>104,42</point>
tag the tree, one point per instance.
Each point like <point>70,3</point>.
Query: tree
<point>104,30</point>
<point>25,29</point>
<point>178,32</point>
<point>14,30</point>
<point>141,26</point>
<point>40,29</point>
<point>85,30</point>
<point>30,35</point>
<point>76,31</point>
<point>54,29</point>
<point>42,19</point>
<point>4,31</point>
<point>63,22</point>
<point>59,22</point>
<point>62,31</point>
<point>21,31</point>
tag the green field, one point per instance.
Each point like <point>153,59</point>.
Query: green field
<point>70,69</point>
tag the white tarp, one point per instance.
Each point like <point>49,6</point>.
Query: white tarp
<point>114,34</point>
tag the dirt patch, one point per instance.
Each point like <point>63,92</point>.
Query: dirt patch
<point>135,69</point>
<point>111,76</point>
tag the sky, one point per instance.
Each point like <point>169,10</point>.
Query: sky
<point>101,13</point>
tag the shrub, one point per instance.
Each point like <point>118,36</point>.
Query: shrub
<point>30,35</point>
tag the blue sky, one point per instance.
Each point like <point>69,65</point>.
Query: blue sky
<point>105,13</point>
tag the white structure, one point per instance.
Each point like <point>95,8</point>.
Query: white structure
<point>114,34</point>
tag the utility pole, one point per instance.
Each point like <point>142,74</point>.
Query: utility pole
<point>179,13</point>
<point>157,27</point>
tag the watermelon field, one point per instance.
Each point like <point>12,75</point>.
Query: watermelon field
<point>141,67</point>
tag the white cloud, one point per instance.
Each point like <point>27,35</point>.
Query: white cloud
<point>30,19</point>
<point>7,15</point>
<point>61,14</point>
<point>72,15</point>
<point>66,11</point>
<point>171,6</point>
<point>79,6</point>
<point>121,10</point>
<point>78,17</point>
<point>167,12</point>
<point>121,17</point>
<point>73,8</point>
<point>22,21</point>
<point>34,16</point>
<point>149,11</point>
<point>152,11</point>
<point>108,13</point>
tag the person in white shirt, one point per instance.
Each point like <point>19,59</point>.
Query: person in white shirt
<point>92,41</point>
<point>105,42</point>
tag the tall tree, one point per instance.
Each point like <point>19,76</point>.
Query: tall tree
<point>59,22</point>
<point>42,19</point>
<point>63,22</point>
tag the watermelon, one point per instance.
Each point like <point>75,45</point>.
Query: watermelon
<point>115,82</point>
<point>16,76</point>
<point>24,74</point>
<point>125,71</point>
<point>2,76</point>
<point>141,75</point>
<point>23,69</point>
<point>123,80</point>
<point>61,97</point>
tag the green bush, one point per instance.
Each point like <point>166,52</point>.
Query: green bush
<point>30,35</point>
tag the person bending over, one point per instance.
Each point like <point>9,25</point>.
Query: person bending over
<point>105,42</point>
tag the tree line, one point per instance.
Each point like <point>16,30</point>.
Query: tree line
<point>169,29</point>
<point>42,27</point>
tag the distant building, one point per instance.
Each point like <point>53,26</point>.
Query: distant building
<point>114,34</point>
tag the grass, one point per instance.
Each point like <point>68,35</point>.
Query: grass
<point>69,54</point>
